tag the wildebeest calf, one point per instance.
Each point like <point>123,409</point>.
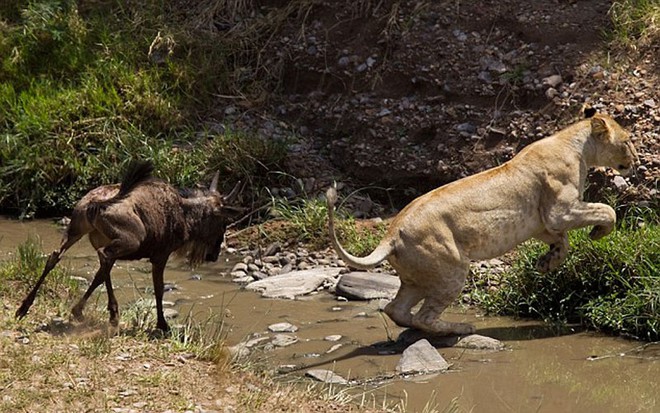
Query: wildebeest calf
<point>143,217</point>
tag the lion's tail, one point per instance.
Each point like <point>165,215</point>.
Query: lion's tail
<point>382,251</point>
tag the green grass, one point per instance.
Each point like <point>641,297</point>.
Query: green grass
<point>80,94</point>
<point>20,273</point>
<point>309,219</point>
<point>612,284</point>
<point>635,22</point>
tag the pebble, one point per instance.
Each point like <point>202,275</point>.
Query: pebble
<point>334,337</point>
<point>284,340</point>
<point>282,328</point>
<point>326,376</point>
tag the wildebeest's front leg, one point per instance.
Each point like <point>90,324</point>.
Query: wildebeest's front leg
<point>157,271</point>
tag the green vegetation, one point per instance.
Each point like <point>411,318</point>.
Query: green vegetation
<point>309,219</point>
<point>83,90</point>
<point>22,271</point>
<point>635,22</point>
<point>612,284</point>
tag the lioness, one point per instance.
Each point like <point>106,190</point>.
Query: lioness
<point>537,194</point>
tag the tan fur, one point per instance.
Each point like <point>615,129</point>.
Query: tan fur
<point>537,194</point>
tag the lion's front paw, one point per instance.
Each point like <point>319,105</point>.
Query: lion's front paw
<point>599,231</point>
<point>549,261</point>
<point>543,263</point>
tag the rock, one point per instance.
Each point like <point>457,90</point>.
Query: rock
<point>421,357</point>
<point>479,342</point>
<point>239,267</point>
<point>170,313</point>
<point>286,368</point>
<point>620,182</point>
<point>334,337</point>
<point>334,348</point>
<point>551,93</point>
<point>343,61</point>
<point>293,284</point>
<point>282,328</point>
<point>286,269</point>
<point>170,287</point>
<point>258,275</point>
<point>273,249</point>
<point>466,127</point>
<point>284,340</point>
<point>368,285</point>
<point>460,35</point>
<point>552,81</point>
<point>493,64</point>
<point>239,351</point>
<point>326,376</point>
<point>243,279</point>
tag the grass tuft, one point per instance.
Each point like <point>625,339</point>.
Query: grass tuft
<point>635,22</point>
<point>309,218</point>
<point>85,89</point>
<point>612,284</point>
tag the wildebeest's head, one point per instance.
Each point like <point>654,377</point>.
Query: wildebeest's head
<point>216,212</point>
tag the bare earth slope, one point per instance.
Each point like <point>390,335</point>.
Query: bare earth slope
<point>414,94</point>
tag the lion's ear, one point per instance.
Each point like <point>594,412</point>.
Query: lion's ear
<point>589,112</point>
<point>599,128</point>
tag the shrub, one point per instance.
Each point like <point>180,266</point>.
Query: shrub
<point>612,284</point>
<point>81,94</point>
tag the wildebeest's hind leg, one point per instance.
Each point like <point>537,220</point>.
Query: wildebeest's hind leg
<point>73,235</point>
<point>101,275</point>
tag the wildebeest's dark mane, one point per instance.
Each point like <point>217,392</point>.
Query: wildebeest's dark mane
<point>193,192</point>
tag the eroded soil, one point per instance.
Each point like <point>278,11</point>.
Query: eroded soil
<point>409,95</point>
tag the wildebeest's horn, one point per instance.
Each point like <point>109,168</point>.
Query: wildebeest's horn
<point>214,182</point>
<point>229,198</point>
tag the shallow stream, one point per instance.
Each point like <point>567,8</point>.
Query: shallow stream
<point>542,370</point>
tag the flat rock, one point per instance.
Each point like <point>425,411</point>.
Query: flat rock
<point>282,328</point>
<point>294,283</point>
<point>421,357</point>
<point>368,285</point>
<point>284,340</point>
<point>479,342</point>
<point>326,376</point>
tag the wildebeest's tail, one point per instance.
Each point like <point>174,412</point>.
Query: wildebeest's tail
<point>136,173</point>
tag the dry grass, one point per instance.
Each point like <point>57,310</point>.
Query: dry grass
<point>88,367</point>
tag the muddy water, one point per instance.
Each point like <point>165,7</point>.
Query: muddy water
<point>542,370</point>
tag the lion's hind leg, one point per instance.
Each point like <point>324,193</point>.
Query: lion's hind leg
<point>427,319</point>
<point>440,293</point>
<point>406,298</point>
